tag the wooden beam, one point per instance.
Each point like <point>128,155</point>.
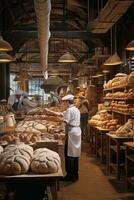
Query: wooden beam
<point>84,35</point>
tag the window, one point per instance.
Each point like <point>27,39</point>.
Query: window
<point>34,87</point>
<point>13,84</point>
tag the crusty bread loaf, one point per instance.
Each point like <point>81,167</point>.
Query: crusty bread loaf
<point>15,159</point>
<point>131,78</point>
<point>1,149</point>
<point>45,161</point>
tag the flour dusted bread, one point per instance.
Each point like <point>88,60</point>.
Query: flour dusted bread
<point>131,78</point>
<point>1,149</point>
<point>45,161</point>
<point>15,159</point>
<point>126,129</point>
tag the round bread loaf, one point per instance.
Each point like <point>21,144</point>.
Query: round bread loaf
<point>1,149</point>
<point>131,78</point>
<point>15,159</point>
<point>45,161</point>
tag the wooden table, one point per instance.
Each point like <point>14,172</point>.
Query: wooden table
<point>43,180</point>
<point>101,143</point>
<point>115,145</point>
<point>129,164</point>
<point>97,141</point>
<point>92,138</point>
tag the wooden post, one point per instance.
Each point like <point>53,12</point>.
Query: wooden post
<point>4,81</point>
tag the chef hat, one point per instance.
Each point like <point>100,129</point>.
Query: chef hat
<point>68,97</point>
<point>19,92</point>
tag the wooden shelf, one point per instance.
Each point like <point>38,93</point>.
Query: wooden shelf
<point>118,87</point>
<point>112,98</point>
<point>116,111</point>
<point>131,180</point>
<point>99,57</point>
<point>130,157</point>
<point>114,148</point>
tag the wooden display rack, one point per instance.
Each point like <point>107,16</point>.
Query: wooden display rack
<point>97,140</point>
<point>114,143</point>
<point>129,164</point>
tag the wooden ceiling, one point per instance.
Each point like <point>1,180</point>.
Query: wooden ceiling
<point>71,22</point>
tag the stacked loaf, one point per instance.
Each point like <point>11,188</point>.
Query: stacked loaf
<point>125,94</point>
<point>120,80</point>
<point>127,129</point>
<point>121,106</point>
<point>104,120</point>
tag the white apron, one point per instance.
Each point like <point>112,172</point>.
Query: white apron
<point>74,142</point>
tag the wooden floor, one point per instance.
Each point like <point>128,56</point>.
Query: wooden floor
<point>94,183</point>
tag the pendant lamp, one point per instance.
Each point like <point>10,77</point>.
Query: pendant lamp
<point>130,46</point>
<point>5,58</point>
<point>4,45</point>
<point>67,58</point>
<point>113,59</point>
<point>132,58</point>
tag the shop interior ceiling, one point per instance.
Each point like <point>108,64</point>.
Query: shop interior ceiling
<point>74,28</point>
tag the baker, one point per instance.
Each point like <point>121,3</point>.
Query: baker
<point>14,103</point>
<point>54,99</point>
<point>27,104</point>
<point>72,139</point>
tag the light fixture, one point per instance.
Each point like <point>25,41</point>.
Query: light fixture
<point>5,58</point>
<point>67,58</point>
<point>132,58</point>
<point>4,45</point>
<point>130,46</point>
<point>113,59</point>
<point>99,75</point>
<point>106,71</point>
<point>54,80</point>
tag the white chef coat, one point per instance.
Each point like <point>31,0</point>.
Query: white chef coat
<point>28,105</point>
<point>72,118</point>
<point>12,99</point>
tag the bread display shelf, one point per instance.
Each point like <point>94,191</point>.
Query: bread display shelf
<point>99,128</point>
<point>32,176</point>
<point>114,136</point>
<point>102,129</point>
<point>119,112</point>
<point>119,87</point>
<point>122,99</point>
<point>129,144</point>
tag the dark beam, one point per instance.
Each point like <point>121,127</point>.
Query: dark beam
<point>51,52</point>
<point>54,34</point>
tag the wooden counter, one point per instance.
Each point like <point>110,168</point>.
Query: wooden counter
<point>50,180</point>
<point>116,148</point>
<point>129,163</point>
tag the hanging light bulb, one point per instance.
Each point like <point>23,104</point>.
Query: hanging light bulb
<point>5,58</point>
<point>4,45</point>
<point>113,59</point>
<point>130,46</point>
<point>67,58</point>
